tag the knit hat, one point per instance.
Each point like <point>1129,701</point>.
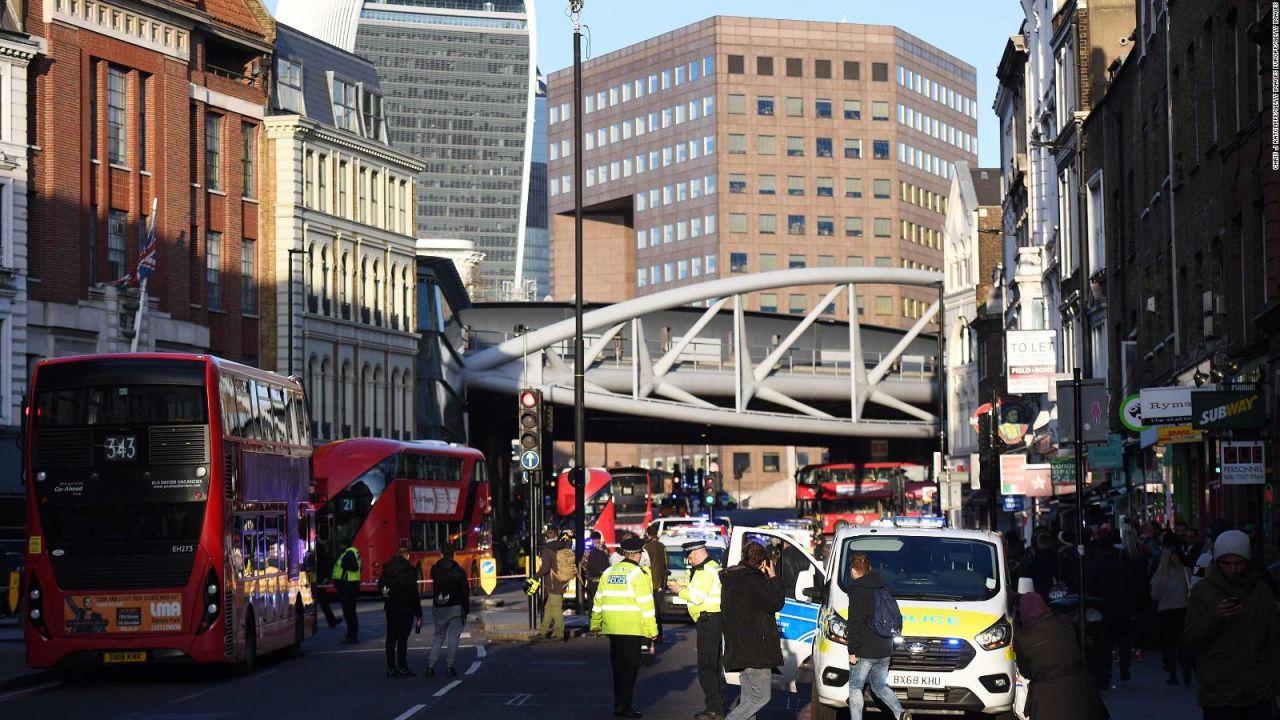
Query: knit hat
<point>1231,542</point>
<point>1031,607</point>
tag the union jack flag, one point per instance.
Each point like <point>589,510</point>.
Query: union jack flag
<point>146,254</point>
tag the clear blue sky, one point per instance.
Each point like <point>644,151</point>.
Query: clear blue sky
<point>974,31</point>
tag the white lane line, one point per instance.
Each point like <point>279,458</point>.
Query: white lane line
<point>410,712</point>
<point>447,688</point>
<point>519,699</point>
<point>480,651</point>
<point>465,635</point>
<point>30,690</point>
<point>375,650</point>
<point>474,667</point>
<point>193,696</point>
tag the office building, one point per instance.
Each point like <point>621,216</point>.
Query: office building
<point>458,81</point>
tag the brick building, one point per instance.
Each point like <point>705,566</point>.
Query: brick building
<point>156,99</point>
<point>1187,219</point>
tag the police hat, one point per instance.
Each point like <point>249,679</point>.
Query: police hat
<point>632,545</point>
<point>694,545</point>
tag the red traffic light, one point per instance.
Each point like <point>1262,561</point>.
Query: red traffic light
<point>528,399</point>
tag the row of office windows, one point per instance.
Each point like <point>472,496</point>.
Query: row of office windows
<point>825,225</point>
<point>921,235</point>
<point>922,197</point>
<point>675,232</point>
<point>380,198</point>
<point>637,165</point>
<point>795,145</point>
<point>797,186</point>
<point>823,108</point>
<point>937,92</point>
<point>937,129</point>
<point>926,161</point>
<point>676,270</point>
<point>622,93</point>
<point>623,130</point>
<point>823,69</point>
<point>666,195</point>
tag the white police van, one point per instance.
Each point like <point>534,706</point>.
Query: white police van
<point>955,654</point>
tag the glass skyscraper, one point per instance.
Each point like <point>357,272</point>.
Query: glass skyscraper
<point>537,259</point>
<point>459,84</point>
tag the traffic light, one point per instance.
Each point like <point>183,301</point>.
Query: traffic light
<point>530,429</point>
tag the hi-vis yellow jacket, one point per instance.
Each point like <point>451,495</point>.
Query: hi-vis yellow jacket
<point>703,591</point>
<point>624,602</point>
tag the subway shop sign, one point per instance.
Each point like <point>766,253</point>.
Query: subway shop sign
<point>1227,410</point>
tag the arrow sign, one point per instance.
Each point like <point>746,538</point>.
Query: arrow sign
<point>530,460</point>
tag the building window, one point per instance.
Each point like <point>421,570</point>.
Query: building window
<point>768,262</point>
<point>852,109</point>
<point>880,149</point>
<point>795,147</point>
<point>116,223</point>
<point>248,276</point>
<point>853,187</point>
<point>884,305</point>
<point>372,103</point>
<point>795,67</point>
<point>764,105</point>
<point>737,222</point>
<point>142,121</point>
<point>764,66</point>
<point>737,144</point>
<point>852,70</point>
<point>341,208</point>
<point>822,69</point>
<point>768,224</point>
<point>795,107</point>
<point>362,194</point>
<point>852,149</point>
<point>737,65</point>
<point>737,263</point>
<point>289,86</point>
<point>213,269</point>
<point>796,304</point>
<point>826,261</point>
<point>822,109</point>
<point>213,152</point>
<point>795,262</point>
<point>880,189</point>
<point>322,183</point>
<point>345,106</point>
<point>853,228</point>
<point>766,145</point>
<point>823,147</point>
<point>879,110</point>
<point>117,130</point>
<point>883,227</point>
<point>93,111</point>
<point>248,159</point>
<point>737,105</point>
<point>883,261</point>
<point>795,185</point>
<point>826,226</point>
<point>771,463</point>
<point>769,302</point>
<point>308,178</point>
<point>795,224</point>
<point>737,183</point>
<point>879,72</point>
<point>768,184</point>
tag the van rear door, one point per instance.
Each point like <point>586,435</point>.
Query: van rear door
<point>798,621</point>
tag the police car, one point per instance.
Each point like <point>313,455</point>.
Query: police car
<point>673,539</point>
<point>661,525</point>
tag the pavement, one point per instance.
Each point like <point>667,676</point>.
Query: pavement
<point>497,678</point>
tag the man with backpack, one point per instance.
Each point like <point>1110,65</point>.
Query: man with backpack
<point>874,620</point>
<point>559,566</point>
<point>451,603</point>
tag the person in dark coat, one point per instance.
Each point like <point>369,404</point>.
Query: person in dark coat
<point>657,553</point>
<point>1048,656</point>
<point>451,603</point>
<point>869,652</point>
<point>1043,567</point>
<point>1109,579</point>
<point>751,594</point>
<point>399,586</point>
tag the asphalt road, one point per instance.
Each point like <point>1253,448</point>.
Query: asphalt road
<point>496,680</point>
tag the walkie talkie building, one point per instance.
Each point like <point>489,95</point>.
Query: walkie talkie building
<point>458,78</point>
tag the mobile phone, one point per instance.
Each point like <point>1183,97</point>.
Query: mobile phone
<point>1233,600</point>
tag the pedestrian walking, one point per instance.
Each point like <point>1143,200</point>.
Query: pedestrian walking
<point>1048,656</point>
<point>594,562</point>
<point>558,566</point>
<point>702,594</point>
<point>1234,630</point>
<point>1110,580</point>
<point>1169,590</point>
<point>1192,547</point>
<point>625,613</point>
<point>398,585</point>
<point>1043,567</point>
<point>450,606</point>
<point>657,553</point>
<point>869,648</point>
<point>346,580</point>
<point>751,597</point>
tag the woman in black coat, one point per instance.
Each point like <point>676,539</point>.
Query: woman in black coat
<point>751,595</point>
<point>1048,656</point>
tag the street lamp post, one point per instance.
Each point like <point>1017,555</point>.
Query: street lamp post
<point>579,373</point>
<point>291,253</point>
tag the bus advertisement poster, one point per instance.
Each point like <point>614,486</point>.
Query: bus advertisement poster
<point>123,613</point>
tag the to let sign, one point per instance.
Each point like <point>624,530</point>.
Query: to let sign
<point>1227,410</point>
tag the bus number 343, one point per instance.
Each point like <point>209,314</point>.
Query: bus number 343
<point>121,447</point>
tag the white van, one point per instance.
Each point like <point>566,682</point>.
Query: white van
<point>952,586</point>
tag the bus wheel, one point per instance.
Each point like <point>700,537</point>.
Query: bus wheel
<point>250,645</point>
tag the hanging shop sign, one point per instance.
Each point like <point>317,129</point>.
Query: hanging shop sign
<point>1227,410</point>
<point>1131,413</point>
<point>1166,405</point>
<point>1243,463</point>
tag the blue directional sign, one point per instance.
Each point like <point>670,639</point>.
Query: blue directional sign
<point>530,460</point>
<point>1014,503</point>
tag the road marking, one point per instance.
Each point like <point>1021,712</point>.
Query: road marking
<point>480,651</point>
<point>28,691</point>
<point>559,662</point>
<point>410,712</point>
<point>519,699</point>
<point>447,688</point>
<point>474,667</point>
<point>381,650</point>
<point>465,635</point>
<point>193,696</point>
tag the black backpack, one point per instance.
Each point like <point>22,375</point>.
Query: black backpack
<point>886,618</point>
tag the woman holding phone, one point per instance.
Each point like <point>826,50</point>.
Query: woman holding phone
<point>751,594</point>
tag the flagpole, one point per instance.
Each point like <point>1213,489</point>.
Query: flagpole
<point>142,294</point>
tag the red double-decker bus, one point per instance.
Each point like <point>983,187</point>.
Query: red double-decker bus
<point>840,494</point>
<point>167,509</point>
<point>383,494</point>
<point>632,490</point>
<point>600,508</point>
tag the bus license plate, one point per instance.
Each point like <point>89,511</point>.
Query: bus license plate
<point>125,656</point>
<point>917,680</point>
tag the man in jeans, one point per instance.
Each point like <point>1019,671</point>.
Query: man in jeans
<point>869,652</point>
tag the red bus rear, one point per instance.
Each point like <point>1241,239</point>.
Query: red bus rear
<point>382,494</point>
<point>167,511</point>
<point>858,494</point>
<point>599,497</point>
<point>632,491</point>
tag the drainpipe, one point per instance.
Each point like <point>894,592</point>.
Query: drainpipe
<point>1173,219</point>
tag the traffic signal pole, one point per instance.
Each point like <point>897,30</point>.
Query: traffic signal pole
<point>579,372</point>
